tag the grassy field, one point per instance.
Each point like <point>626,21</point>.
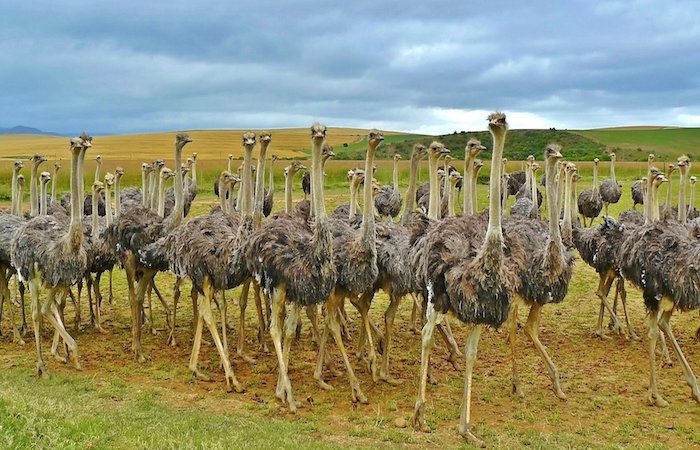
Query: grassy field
<point>633,143</point>
<point>115,402</point>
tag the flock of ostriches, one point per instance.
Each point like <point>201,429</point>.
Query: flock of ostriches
<point>478,266</point>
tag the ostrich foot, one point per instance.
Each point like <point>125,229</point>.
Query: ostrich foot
<point>284,393</point>
<point>232,384</point>
<point>518,390</point>
<point>632,335</point>
<point>454,360</point>
<point>101,330</point>
<point>356,392</point>
<point>471,438</point>
<point>199,375</point>
<point>323,385</point>
<point>246,358</point>
<point>559,393</point>
<point>59,358</point>
<point>141,356</point>
<point>24,329</point>
<point>656,400</point>
<point>418,419</point>
<point>171,339</point>
<point>600,333</point>
<point>41,371</point>
<point>76,361</point>
<point>388,379</point>
<point>17,338</point>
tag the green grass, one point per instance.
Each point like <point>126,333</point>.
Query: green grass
<point>635,144</point>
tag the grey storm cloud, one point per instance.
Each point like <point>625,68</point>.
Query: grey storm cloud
<point>417,66</point>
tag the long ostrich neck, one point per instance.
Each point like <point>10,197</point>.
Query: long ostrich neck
<point>317,201</point>
<point>260,184</point>
<point>20,200</point>
<point>552,211</point>
<point>108,205</point>
<point>244,181</point>
<point>75,229</point>
<point>647,190</point>
<point>81,182</point>
<point>668,189</point>
<point>153,189</point>
<point>468,205</point>
<point>223,189</point>
<point>595,178</point>
<point>353,197</point>
<point>561,186</point>
<point>42,201</point>
<point>193,173</point>
<point>612,169</point>
<point>97,170</point>
<point>144,188</point>
<point>450,199</point>
<point>494,234</point>
<point>572,203</point>
<point>117,195</point>
<point>533,193</point>
<point>95,216</point>
<point>691,205</point>
<point>32,189</point>
<point>271,189</point>
<point>368,225</point>
<point>161,197</point>
<point>565,181</point>
<point>54,180</point>
<point>179,209</point>
<point>682,211</point>
<point>15,174</point>
<point>474,177</point>
<point>288,185</point>
<point>434,199</point>
<point>396,175</point>
<point>655,200</point>
<point>411,192</point>
<point>244,203</point>
<point>228,166</point>
<point>528,173</point>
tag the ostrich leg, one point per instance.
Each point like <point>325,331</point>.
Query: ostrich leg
<point>241,324</point>
<point>532,330</point>
<point>389,317</point>
<point>111,292</point>
<point>362,304</point>
<point>76,299</point>
<point>24,329</point>
<point>623,299</point>
<point>98,303</point>
<point>512,327</point>
<point>433,317</point>
<point>665,325</point>
<point>50,311</point>
<point>654,398</point>
<point>465,413</point>
<point>5,294</point>
<point>166,308</point>
<point>223,308</point>
<point>284,386</point>
<point>37,319</point>
<point>176,298</point>
<point>262,326</point>
<point>602,293</point>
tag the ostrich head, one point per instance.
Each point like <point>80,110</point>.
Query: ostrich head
<point>448,159</point>
<point>109,179</point>
<point>76,145</point>
<point>683,164</point>
<point>436,150</point>
<point>44,177</point>
<point>146,168</point>
<point>97,187</point>
<point>182,139</point>
<point>375,187</point>
<point>20,180</point>
<point>56,166</point>
<point>275,157</point>
<point>184,169</point>
<point>318,132</point>
<point>295,167</point>
<point>86,137</point>
<point>659,179</point>
<point>249,139</point>
<point>497,123</point>
<point>454,178</point>
<point>18,165</point>
<point>397,157</point>
<point>374,138</point>
<point>441,173</point>
<point>234,179</point>
<point>419,152</point>
<point>194,156</point>
<point>265,136</point>
<point>477,165</point>
<point>535,167</point>
<point>350,174</point>
<point>553,153</point>
<point>693,180</point>
<point>358,177</point>
<point>327,152</point>
<point>158,164</point>
<point>474,147</point>
<point>651,158</point>
<point>613,156</point>
<point>530,160</point>
<point>595,162</point>
<point>37,159</point>
<point>570,168</point>
<point>98,159</point>
<point>671,168</point>
<point>230,156</point>
<point>190,163</point>
<point>166,173</point>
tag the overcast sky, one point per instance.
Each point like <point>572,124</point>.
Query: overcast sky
<point>424,66</point>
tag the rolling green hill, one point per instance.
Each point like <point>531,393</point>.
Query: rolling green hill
<point>634,143</point>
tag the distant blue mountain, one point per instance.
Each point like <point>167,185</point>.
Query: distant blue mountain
<point>21,129</point>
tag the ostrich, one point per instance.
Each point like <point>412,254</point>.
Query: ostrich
<point>589,202</point>
<point>419,151</point>
<point>545,276</point>
<point>54,181</point>
<point>305,208</point>
<point>388,201</point>
<point>132,196</point>
<point>289,173</point>
<point>523,206</point>
<point>476,168</point>
<point>348,211</point>
<point>683,167</point>
<point>659,258</point>
<point>467,275</point>
<point>87,203</point>
<point>453,179</point>
<point>471,151</point>
<point>9,222</point>
<point>50,255</point>
<point>610,189</point>
<point>293,261</point>
<point>355,254</point>
<point>218,179</point>
<point>637,194</point>
<point>270,195</point>
<point>135,230</point>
